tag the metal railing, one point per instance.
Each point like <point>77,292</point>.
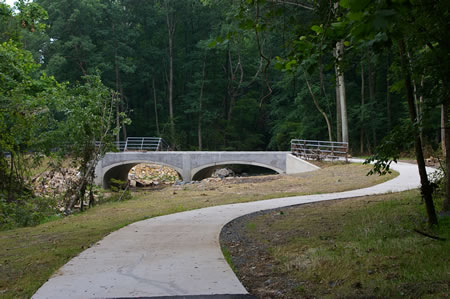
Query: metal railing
<point>319,150</point>
<point>142,144</point>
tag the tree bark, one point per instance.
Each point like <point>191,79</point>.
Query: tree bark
<point>200,100</point>
<point>388,104</point>
<point>10,183</point>
<point>444,120</point>
<point>116,67</point>
<point>171,26</point>
<point>234,91</point>
<point>446,152</point>
<point>361,137</point>
<point>372,78</point>
<point>155,107</point>
<point>426,189</point>
<point>418,107</point>
<point>338,110</point>
<point>124,128</point>
<point>342,95</point>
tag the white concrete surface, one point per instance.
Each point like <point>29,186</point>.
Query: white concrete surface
<point>297,165</point>
<point>178,254</point>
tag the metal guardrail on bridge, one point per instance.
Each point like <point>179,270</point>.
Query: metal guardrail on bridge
<point>319,150</point>
<point>142,144</point>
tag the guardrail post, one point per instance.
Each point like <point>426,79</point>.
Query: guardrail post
<point>159,145</point>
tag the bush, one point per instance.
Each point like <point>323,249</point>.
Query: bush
<point>25,211</point>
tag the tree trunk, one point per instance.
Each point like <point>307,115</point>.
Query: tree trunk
<point>81,196</point>
<point>417,100</point>
<point>446,152</point>
<point>234,91</point>
<point>362,111</point>
<point>372,78</point>
<point>155,107</point>
<point>170,90</point>
<point>316,103</point>
<point>200,100</point>
<point>338,110</point>
<point>444,120</point>
<point>124,128</point>
<point>388,103</point>
<point>426,189</point>
<point>322,84</point>
<point>342,95</point>
<point>116,67</point>
<point>421,105</point>
<point>10,183</point>
<point>171,32</point>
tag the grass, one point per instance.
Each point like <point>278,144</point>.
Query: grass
<point>250,226</point>
<point>357,248</point>
<point>29,256</point>
<point>227,255</point>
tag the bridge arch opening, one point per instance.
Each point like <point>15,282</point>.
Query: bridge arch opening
<point>141,174</point>
<point>237,169</point>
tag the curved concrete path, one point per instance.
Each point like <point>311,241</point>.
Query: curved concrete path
<point>178,254</point>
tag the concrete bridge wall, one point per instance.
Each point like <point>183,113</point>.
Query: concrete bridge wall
<point>188,164</point>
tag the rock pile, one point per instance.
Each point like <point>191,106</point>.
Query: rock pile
<point>223,173</point>
<point>53,183</point>
<point>145,175</point>
<point>432,161</point>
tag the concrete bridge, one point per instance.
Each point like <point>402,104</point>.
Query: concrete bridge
<point>195,165</point>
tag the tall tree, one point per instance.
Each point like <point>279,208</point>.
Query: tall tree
<point>386,21</point>
<point>171,22</point>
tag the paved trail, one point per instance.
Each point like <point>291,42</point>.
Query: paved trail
<point>178,254</point>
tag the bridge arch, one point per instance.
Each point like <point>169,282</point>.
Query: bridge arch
<point>199,172</point>
<point>120,170</point>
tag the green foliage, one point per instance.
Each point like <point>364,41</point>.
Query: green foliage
<point>127,41</point>
<point>25,16</point>
<point>121,191</point>
<point>88,111</point>
<point>246,48</point>
<point>243,132</point>
<point>31,15</point>
<point>399,139</point>
<point>88,128</point>
<point>117,185</point>
<point>24,120</point>
<point>39,115</point>
<point>27,210</point>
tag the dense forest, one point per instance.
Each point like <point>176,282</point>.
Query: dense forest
<point>221,75</point>
<point>227,75</point>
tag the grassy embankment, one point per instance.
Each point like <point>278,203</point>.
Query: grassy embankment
<point>29,256</point>
<point>364,247</point>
